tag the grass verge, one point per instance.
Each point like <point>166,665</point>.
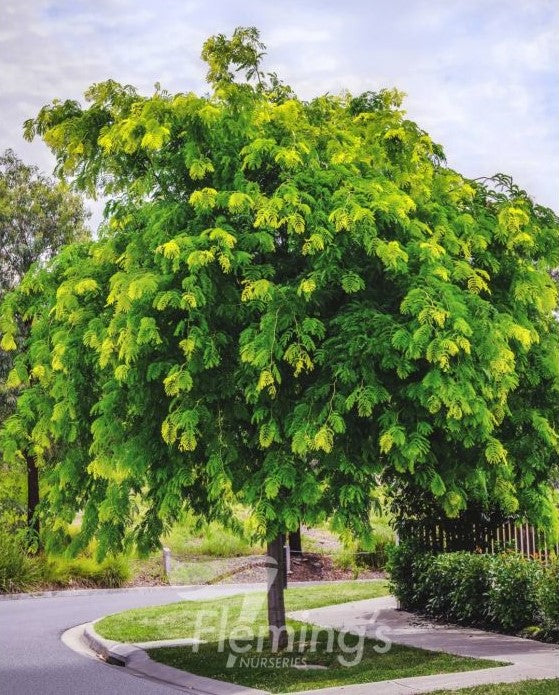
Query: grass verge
<point>180,619</point>
<point>343,663</point>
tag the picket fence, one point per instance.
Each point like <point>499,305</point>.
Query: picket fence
<point>478,537</point>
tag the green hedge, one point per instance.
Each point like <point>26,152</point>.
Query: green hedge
<point>506,592</point>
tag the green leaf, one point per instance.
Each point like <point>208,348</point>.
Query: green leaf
<point>352,282</point>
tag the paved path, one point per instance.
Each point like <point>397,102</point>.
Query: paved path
<point>33,660</point>
<point>529,659</point>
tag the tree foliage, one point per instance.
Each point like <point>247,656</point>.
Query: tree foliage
<point>37,217</point>
<point>288,302</point>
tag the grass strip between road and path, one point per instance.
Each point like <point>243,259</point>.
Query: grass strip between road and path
<point>317,658</point>
<point>178,620</point>
<point>280,673</point>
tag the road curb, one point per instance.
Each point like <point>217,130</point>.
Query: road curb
<point>136,660</point>
<point>70,593</point>
<point>56,593</point>
<point>117,653</point>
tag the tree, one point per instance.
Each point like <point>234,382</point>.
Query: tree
<point>289,302</point>
<point>526,422</point>
<point>37,217</point>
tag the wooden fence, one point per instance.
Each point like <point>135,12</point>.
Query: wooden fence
<point>450,536</point>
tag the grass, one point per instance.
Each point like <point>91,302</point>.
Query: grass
<point>20,571</point>
<point>244,617</point>
<point>262,669</point>
<point>111,573</point>
<point>177,620</point>
<point>192,537</point>
<point>206,570</point>
<point>544,687</point>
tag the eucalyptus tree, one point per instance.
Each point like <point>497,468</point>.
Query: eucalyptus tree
<point>289,302</point>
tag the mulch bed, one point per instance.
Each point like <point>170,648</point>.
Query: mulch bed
<point>306,568</point>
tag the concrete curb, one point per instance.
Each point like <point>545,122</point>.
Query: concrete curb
<point>56,593</point>
<point>251,586</point>
<point>137,661</point>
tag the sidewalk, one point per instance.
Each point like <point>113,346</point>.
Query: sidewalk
<point>529,659</point>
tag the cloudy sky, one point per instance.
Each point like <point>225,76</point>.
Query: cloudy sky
<point>482,76</point>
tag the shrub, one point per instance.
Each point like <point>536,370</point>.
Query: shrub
<point>449,585</point>
<point>407,566</point>
<point>113,572</point>
<point>436,582</point>
<point>507,591</point>
<point>472,584</point>
<point>515,592</point>
<point>549,601</point>
<point>18,570</point>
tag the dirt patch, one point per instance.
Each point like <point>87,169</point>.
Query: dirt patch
<point>148,572</point>
<point>314,566</point>
<point>309,567</point>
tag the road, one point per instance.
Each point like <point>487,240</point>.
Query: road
<point>34,661</point>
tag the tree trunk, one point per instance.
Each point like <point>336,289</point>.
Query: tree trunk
<point>295,542</point>
<point>32,499</point>
<point>284,560</point>
<point>276,606</point>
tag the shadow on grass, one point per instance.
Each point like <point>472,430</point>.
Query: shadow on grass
<point>331,659</point>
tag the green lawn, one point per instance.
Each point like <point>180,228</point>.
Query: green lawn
<point>226,616</point>
<point>398,662</point>
<point>546,687</point>
<point>177,620</point>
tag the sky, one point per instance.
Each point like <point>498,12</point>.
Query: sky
<point>481,76</point>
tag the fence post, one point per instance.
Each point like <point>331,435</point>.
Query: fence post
<point>288,557</point>
<point>167,561</point>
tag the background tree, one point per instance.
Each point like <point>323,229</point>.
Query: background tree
<point>37,217</point>
<point>289,302</point>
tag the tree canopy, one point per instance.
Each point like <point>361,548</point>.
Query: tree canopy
<point>289,302</point>
<point>37,217</point>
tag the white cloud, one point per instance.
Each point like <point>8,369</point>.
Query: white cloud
<point>481,75</point>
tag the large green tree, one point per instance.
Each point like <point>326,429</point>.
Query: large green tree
<point>289,302</point>
<point>37,217</point>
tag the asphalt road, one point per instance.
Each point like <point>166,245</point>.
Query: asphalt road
<point>34,661</point>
